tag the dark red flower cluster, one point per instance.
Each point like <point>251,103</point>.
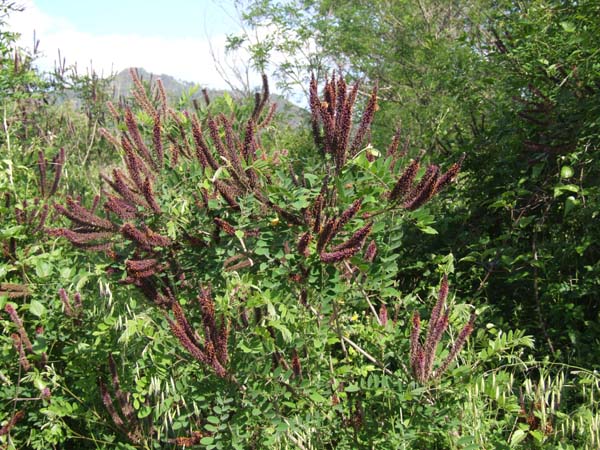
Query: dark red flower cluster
<point>13,290</point>
<point>414,196</point>
<point>332,121</point>
<point>126,421</point>
<point>21,340</point>
<point>422,356</point>
<point>212,350</point>
<point>330,229</point>
<point>72,310</point>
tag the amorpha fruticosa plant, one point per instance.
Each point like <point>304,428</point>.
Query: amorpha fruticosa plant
<point>206,214</point>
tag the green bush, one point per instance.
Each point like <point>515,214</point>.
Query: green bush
<point>237,283</point>
<point>262,250</point>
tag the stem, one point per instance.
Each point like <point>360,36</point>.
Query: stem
<point>338,329</point>
<point>362,290</point>
<point>536,296</point>
<point>368,356</point>
<point>91,144</point>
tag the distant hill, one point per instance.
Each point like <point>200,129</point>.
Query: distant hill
<point>122,85</point>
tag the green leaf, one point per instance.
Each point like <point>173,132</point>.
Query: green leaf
<point>212,428</point>
<point>571,203</point>
<point>171,229</point>
<point>317,398</point>
<point>228,101</point>
<point>517,437</point>
<point>566,172</point>
<point>300,203</point>
<point>39,383</point>
<point>66,273</point>
<point>40,345</point>
<point>537,435</point>
<point>261,251</point>
<point>144,412</point>
<point>559,189</point>
<point>16,232</point>
<point>568,27</point>
<point>81,282</point>
<point>285,332</point>
<point>428,230</point>
<point>43,269</point>
<point>37,309</point>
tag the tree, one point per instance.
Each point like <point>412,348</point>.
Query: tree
<point>419,53</point>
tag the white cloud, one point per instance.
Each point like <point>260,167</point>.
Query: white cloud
<point>184,58</point>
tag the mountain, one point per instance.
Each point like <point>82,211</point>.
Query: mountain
<point>122,85</point>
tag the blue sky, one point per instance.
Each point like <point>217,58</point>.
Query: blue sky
<point>173,18</point>
<point>176,37</point>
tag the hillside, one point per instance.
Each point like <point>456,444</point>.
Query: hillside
<point>175,88</point>
<point>122,84</point>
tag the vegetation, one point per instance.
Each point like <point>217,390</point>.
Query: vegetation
<point>227,278</point>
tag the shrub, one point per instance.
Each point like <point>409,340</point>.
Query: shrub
<point>256,258</point>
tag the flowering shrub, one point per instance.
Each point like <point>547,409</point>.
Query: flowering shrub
<point>234,285</point>
<point>235,281</point>
<point>199,210</point>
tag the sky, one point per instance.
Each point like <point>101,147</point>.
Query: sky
<point>171,37</point>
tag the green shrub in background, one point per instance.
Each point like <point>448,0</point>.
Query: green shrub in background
<point>46,359</point>
<point>515,86</point>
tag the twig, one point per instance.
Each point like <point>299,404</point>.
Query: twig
<point>373,310</point>
<point>338,329</point>
<point>536,295</point>
<point>91,144</point>
<point>368,356</point>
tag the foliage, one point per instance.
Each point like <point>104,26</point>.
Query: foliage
<point>419,52</point>
<point>514,86</point>
<point>542,241</point>
<point>241,215</point>
<point>231,282</point>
